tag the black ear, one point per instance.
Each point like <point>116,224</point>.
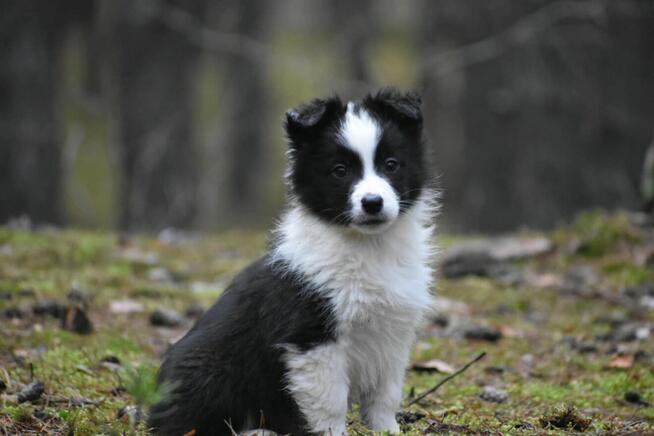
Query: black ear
<point>403,107</point>
<point>306,119</point>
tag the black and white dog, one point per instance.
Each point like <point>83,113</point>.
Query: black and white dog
<point>328,316</point>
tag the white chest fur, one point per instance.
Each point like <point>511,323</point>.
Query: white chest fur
<point>378,285</point>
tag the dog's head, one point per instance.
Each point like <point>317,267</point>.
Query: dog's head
<point>358,164</point>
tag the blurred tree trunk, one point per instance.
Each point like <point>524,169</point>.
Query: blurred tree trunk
<point>244,110</point>
<point>353,22</point>
<point>440,30</point>
<point>30,153</point>
<point>151,76</point>
<point>548,119</point>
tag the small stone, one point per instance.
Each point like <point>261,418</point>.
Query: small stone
<point>76,320</point>
<point>493,394</point>
<point>615,319</point>
<point>6,250</point>
<point>164,317</point>
<point>407,417</point>
<point>586,347</point>
<point>635,398</point>
<point>111,359</point>
<point>496,369</point>
<point>31,392</point>
<point>16,313</point>
<point>640,290</point>
<point>112,363</point>
<point>126,306</point>
<point>195,311</point>
<point>482,333</point>
<point>630,332</point>
<point>49,307</point>
<point>527,360</point>
<point>160,274</point>
<point>41,415</point>
<point>433,365</point>
<point>131,414</point>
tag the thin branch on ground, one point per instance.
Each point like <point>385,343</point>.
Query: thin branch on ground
<point>445,380</point>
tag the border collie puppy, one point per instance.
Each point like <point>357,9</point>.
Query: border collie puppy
<point>328,316</point>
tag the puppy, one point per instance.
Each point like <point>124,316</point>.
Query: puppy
<point>328,315</point>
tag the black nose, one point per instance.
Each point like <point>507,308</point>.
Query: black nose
<point>372,203</point>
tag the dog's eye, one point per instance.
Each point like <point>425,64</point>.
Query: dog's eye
<point>339,171</point>
<point>391,165</point>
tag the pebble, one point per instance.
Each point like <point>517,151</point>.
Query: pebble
<point>41,415</point>
<point>635,398</point>
<point>49,307</point>
<point>493,394</point>
<point>164,317</point>
<point>195,311</point>
<point>31,392</point>
<point>16,313</point>
<point>483,334</point>
<point>131,414</point>
<point>159,274</point>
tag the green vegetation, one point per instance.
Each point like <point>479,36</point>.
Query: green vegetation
<point>561,360</point>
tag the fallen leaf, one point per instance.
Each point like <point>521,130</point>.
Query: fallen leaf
<point>622,362</point>
<point>85,369</point>
<point>126,307</point>
<point>510,332</point>
<point>546,280</point>
<point>76,320</point>
<point>433,365</point>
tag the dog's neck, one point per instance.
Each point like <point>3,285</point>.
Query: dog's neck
<point>305,244</point>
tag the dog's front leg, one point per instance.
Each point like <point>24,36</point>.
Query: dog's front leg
<point>318,382</point>
<point>378,408</point>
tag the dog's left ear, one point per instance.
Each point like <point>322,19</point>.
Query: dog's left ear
<point>401,107</point>
<point>303,121</point>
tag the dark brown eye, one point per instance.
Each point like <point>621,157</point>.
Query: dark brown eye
<point>391,165</point>
<point>339,171</point>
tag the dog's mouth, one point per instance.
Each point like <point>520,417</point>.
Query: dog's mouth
<point>372,222</point>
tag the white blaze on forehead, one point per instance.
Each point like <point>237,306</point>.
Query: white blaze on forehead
<point>361,133</point>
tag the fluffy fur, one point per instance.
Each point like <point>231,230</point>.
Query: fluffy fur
<point>327,317</point>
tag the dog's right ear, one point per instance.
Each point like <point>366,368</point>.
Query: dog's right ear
<point>306,119</point>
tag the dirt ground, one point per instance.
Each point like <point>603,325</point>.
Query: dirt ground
<point>565,318</point>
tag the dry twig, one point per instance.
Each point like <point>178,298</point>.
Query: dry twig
<point>446,379</point>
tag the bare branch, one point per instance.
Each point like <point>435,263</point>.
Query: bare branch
<point>521,32</point>
<point>236,44</point>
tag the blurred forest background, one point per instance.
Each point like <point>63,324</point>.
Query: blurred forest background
<point>146,114</point>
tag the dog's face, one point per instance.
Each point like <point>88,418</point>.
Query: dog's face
<point>358,165</point>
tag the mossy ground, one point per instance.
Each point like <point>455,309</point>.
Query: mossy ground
<point>534,361</point>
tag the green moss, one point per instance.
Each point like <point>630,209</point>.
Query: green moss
<point>566,418</point>
<point>599,233</point>
<point>625,273</point>
<point>51,261</point>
